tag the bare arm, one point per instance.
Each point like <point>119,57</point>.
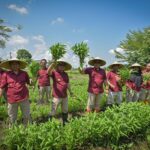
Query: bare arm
<point>69,89</point>
<point>81,70</point>
<point>1,92</point>
<point>110,84</point>
<point>51,67</point>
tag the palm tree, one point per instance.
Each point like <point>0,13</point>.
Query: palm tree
<point>4,30</point>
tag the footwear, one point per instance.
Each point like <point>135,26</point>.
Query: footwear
<point>109,105</point>
<point>146,102</point>
<point>46,102</point>
<point>64,118</point>
<point>97,110</point>
<point>40,102</point>
<point>88,110</point>
<point>50,117</point>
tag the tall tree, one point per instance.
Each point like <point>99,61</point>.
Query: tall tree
<point>24,55</point>
<point>136,47</point>
<point>4,33</point>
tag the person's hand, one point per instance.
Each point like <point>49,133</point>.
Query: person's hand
<point>106,91</point>
<point>1,93</point>
<point>31,82</point>
<point>118,79</point>
<point>79,68</point>
<point>33,88</point>
<point>112,86</point>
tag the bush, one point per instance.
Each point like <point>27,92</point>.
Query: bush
<point>115,128</point>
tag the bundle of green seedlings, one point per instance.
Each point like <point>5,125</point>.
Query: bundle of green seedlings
<point>33,69</point>
<point>81,50</point>
<point>146,77</point>
<point>57,50</point>
<point>124,73</point>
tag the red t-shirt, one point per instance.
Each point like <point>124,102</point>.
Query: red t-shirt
<point>15,85</point>
<point>132,85</point>
<point>146,85</point>
<point>1,73</point>
<point>96,79</point>
<point>60,84</point>
<point>43,77</point>
<point>113,77</point>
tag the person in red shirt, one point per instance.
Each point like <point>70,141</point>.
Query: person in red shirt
<point>43,82</point>
<point>145,91</point>
<point>97,77</point>
<point>115,84</point>
<point>15,81</point>
<point>60,86</point>
<point>1,73</point>
<point>133,85</point>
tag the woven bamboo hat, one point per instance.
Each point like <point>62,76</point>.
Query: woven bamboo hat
<point>6,64</point>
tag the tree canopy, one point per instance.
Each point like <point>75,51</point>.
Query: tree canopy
<point>136,47</point>
<point>24,55</point>
<point>4,33</point>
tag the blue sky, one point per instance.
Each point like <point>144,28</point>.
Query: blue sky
<point>100,23</point>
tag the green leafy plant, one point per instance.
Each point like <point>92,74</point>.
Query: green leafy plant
<point>57,50</point>
<point>33,69</point>
<point>146,77</point>
<point>124,73</point>
<point>111,129</point>
<point>81,50</point>
<point>43,137</point>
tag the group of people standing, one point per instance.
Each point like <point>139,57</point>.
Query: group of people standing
<point>14,83</point>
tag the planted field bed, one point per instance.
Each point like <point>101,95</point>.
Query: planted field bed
<point>116,128</point>
<point>120,127</point>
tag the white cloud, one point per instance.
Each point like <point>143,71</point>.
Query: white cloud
<point>41,49</point>
<point>85,41</point>
<point>39,38</point>
<point>12,53</point>
<point>42,54</point>
<point>15,28</point>
<point>118,49</point>
<point>18,40</point>
<point>21,10</point>
<point>77,30</point>
<point>111,51</point>
<point>58,20</point>
<point>40,42</point>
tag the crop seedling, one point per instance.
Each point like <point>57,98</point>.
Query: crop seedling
<point>124,74</point>
<point>57,50</point>
<point>81,50</point>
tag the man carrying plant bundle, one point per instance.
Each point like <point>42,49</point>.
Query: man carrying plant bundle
<point>15,81</point>
<point>60,87</point>
<point>97,77</point>
<point>43,82</point>
<point>145,91</point>
<point>115,84</point>
<point>133,85</point>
